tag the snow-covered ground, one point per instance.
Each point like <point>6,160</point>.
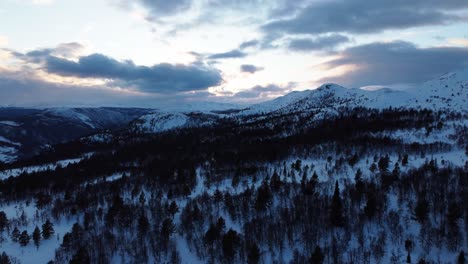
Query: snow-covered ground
<point>30,253</point>
<point>9,123</point>
<point>6,140</point>
<point>158,122</point>
<point>7,154</point>
<point>50,166</point>
<point>71,114</point>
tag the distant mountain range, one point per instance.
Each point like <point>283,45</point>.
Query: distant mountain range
<point>25,132</point>
<point>448,92</point>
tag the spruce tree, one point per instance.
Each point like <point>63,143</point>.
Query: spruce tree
<point>317,257</point>
<point>24,238</point>
<point>15,234</point>
<point>36,236</point>
<point>47,229</point>
<point>4,258</point>
<point>253,256</point>
<point>230,242</point>
<point>421,211</point>
<point>461,258</point>
<point>81,257</point>
<point>336,208</point>
<point>3,221</point>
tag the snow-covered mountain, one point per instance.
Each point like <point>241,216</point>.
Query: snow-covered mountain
<point>448,92</point>
<point>163,121</point>
<point>24,132</point>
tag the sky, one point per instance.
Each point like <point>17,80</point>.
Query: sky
<point>156,53</point>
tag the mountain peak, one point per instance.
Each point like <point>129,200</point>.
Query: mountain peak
<point>330,87</point>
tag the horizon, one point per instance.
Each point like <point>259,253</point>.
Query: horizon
<point>152,54</point>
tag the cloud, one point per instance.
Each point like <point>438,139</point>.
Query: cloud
<point>458,42</point>
<point>327,42</point>
<point>159,78</point>
<point>396,62</point>
<point>25,89</point>
<point>260,92</point>
<point>206,9</point>
<point>233,54</point>
<point>249,44</point>
<point>365,16</point>
<point>3,40</point>
<point>161,8</point>
<point>250,68</point>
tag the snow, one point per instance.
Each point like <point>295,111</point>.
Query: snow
<point>29,253</point>
<point>30,169</point>
<point>6,140</point>
<point>161,121</point>
<point>9,123</point>
<point>98,138</point>
<point>446,92</point>
<point>111,178</point>
<point>7,154</point>
<point>186,255</point>
<point>72,114</point>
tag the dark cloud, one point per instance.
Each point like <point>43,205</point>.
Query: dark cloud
<point>250,68</point>
<point>25,89</point>
<point>249,44</point>
<point>365,16</point>
<point>228,55</point>
<point>207,9</point>
<point>396,62</point>
<point>328,42</point>
<point>259,91</point>
<point>160,78</point>
<point>160,8</point>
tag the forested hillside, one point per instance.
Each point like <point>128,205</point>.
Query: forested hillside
<point>363,186</point>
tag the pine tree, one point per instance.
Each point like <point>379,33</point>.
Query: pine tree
<point>24,238</point>
<point>383,164</point>
<point>404,161</point>
<point>47,229</point>
<point>36,236</point>
<point>461,258</point>
<point>142,198</point>
<point>167,229</point>
<point>4,258</point>
<point>173,208</point>
<point>317,257</point>
<point>336,208</point>
<point>264,197</point>
<point>3,221</point>
<point>15,234</point>
<point>454,213</point>
<point>143,224</point>
<point>421,210</point>
<point>230,242</point>
<point>81,257</point>
<point>253,256</point>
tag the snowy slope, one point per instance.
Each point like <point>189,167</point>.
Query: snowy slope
<point>449,91</point>
<point>158,122</point>
<point>164,121</point>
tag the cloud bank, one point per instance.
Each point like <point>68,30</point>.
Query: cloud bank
<point>397,62</point>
